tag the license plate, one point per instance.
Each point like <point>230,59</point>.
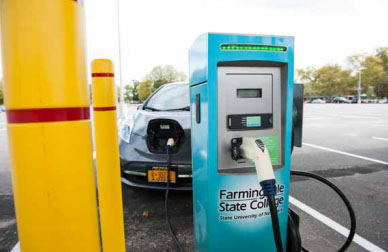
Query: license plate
<point>160,175</point>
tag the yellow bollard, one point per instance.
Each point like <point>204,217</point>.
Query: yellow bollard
<point>49,131</point>
<point>107,156</point>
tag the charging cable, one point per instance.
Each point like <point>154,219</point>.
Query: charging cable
<point>352,215</point>
<point>169,145</point>
<point>254,150</point>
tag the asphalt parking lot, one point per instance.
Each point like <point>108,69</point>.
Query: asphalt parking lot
<point>346,143</point>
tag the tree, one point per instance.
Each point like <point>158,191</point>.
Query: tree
<point>145,89</point>
<point>382,55</point>
<point>332,80</point>
<point>374,76</point>
<point>306,76</point>
<point>374,71</point>
<point>127,93</point>
<point>355,62</point>
<point>329,80</point>
<point>135,95</point>
<point>162,75</point>
<point>131,92</point>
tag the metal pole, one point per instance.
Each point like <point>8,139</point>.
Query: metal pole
<point>359,87</point>
<point>50,144</point>
<point>107,156</point>
<point>121,108</point>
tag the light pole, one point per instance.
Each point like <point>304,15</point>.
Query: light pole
<point>121,105</point>
<point>359,85</point>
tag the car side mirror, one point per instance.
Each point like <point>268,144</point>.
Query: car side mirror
<point>139,107</point>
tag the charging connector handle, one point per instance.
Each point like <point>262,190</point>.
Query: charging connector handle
<point>170,142</point>
<point>255,151</point>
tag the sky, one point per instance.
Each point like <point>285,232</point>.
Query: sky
<point>160,32</point>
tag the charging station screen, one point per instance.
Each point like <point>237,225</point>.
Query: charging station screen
<point>253,121</point>
<point>249,93</point>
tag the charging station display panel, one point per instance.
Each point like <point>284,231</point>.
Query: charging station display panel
<point>249,92</point>
<point>253,121</point>
<point>249,102</point>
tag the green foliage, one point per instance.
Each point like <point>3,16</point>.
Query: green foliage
<point>355,62</point>
<point>131,92</point>
<point>145,89</point>
<point>329,80</point>
<point>381,88</point>
<point>307,77</point>
<point>162,75</point>
<point>370,93</point>
<point>374,76</point>
<point>333,80</point>
<point>152,81</point>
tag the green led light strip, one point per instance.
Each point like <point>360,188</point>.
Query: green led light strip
<point>246,47</point>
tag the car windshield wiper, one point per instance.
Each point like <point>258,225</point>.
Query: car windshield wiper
<point>150,108</point>
<point>187,108</point>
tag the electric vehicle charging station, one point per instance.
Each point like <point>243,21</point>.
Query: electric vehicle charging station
<point>243,120</point>
<point>240,86</point>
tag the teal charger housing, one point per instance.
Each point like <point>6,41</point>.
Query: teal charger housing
<point>245,225</point>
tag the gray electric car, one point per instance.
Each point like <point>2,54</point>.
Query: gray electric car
<point>143,137</point>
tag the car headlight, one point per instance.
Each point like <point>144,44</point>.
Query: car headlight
<point>125,132</point>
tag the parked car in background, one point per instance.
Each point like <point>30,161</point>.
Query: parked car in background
<point>351,98</point>
<point>318,101</point>
<point>383,101</point>
<point>340,100</point>
<point>2,108</point>
<point>143,137</point>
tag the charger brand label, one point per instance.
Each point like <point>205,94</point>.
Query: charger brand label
<point>247,204</point>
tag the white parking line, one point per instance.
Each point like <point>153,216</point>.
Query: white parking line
<point>380,138</point>
<point>346,153</point>
<point>334,225</point>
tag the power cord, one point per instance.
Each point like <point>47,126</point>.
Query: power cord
<point>344,199</point>
<point>254,150</point>
<point>170,143</point>
<point>269,190</point>
<point>294,241</point>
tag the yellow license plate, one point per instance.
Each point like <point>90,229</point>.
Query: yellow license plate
<point>160,176</point>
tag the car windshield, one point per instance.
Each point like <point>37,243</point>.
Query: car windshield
<point>170,97</point>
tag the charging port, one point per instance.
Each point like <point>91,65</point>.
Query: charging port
<point>158,133</point>
<point>236,153</point>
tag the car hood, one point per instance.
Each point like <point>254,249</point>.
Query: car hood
<point>141,118</point>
